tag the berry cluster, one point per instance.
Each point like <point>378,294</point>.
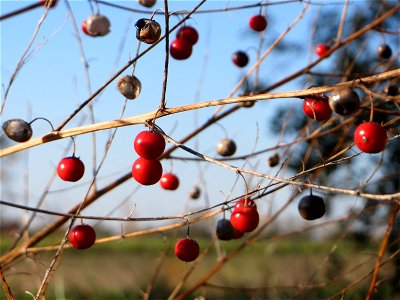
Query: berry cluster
<point>147,169</point>
<point>181,48</point>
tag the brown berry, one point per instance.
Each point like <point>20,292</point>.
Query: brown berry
<point>129,86</point>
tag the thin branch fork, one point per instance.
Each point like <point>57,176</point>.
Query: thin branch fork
<point>142,119</point>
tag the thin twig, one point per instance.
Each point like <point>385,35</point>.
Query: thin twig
<point>381,252</point>
<point>5,285</point>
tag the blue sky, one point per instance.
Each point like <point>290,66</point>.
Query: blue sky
<point>52,84</point>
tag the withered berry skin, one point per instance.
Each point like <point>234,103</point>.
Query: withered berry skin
<point>344,101</point>
<point>18,130</point>
<point>97,25</point>
<point>129,86</point>
<point>195,193</point>
<point>148,3</point>
<point>148,31</point>
<point>226,147</point>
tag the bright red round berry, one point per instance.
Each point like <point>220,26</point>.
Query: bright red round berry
<point>82,236</point>
<point>149,145</point>
<point>169,181</point>
<point>370,137</point>
<point>321,49</point>
<point>147,171</point>
<point>317,109</point>
<point>71,169</point>
<point>180,49</point>
<point>258,23</point>
<point>245,218</point>
<point>187,249</point>
<point>188,33</point>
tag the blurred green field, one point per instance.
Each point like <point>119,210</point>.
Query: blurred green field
<point>268,269</point>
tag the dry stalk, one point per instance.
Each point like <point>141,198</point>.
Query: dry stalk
<point>381,252</point>
<point>142,119</point>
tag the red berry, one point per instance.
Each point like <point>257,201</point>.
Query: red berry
<point>321,49</point>
<point>245,202</point>
<point>188,33</point>
<point>187,249</point>
<point>146,171</point>
<point>258,23</point>
<point>317,109</point>
<point>84,27</point>
<point>82,236</point>
<point>149,145</point>
<point>245,218</point>
<point>240,59</point>
<point>169,181</point>
<point>71,169</point>
<point>370,137</point>
<point>180,49</point>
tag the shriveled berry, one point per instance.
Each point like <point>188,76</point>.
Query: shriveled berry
<point>148,31</point>
<point>97,25</point>
<point>226,147</point>
<point>148,3</point>
<point>129,86</point>
<point>195,193</point>
<point>273,160</point>
<point>18,130</point>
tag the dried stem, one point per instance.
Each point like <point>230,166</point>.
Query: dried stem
<point>142,119</point>
<point>381,252</point>
<point>5,285</point>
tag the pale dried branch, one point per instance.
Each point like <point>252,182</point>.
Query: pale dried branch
<point>142,119</point>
